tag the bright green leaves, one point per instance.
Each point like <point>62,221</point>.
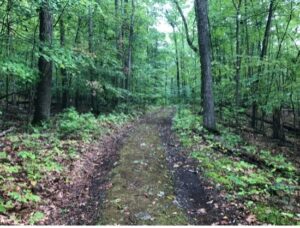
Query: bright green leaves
<point>64,58</point>
<point>27,155</point>
<point>24,196</point>
<point>3,155</point>
<point>20,70</point>
<point>36,217</point>
<point>73,125</point>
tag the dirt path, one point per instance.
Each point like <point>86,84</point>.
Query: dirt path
<point>141,175</point>
<point>155,183</point>
<point>142,189</point>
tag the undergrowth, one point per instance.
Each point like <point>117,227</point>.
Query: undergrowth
<point>269,186</point>
<point>27,159</point>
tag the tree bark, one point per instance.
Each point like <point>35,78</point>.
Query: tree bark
<point>201,9</point>
<point>63,70</point>
<point>128,53</point>
<point>9,7</point>
<point>43,91</point>
<point>176,60</point>
<point>77,41</point>
<point>77,36</point>
<point>263,53</point>
<point>238,53</point>
<point>278,130</point>
<point>277,125</point>
<point>91,50</point>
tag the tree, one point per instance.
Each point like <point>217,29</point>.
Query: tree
<point>263,53</point>
<point>43,90</point>
<point>237,6</point>
<point>63,70</point>
<point>201,9</point>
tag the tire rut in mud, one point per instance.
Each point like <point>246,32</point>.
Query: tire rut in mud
<point>202,201</point>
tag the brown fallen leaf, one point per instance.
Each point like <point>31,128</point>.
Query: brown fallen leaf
<point>251,218</point>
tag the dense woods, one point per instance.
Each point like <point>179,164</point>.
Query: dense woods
<point>100,55</point>
<point>230,63</point>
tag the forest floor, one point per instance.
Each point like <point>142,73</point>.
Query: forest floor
<point>152,181</point>
<point>159,169</point>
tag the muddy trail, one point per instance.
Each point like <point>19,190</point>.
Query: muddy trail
<point>156,183</point>
<point>151,180</point>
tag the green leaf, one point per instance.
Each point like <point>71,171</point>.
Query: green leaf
<point>2,208</point>
<point>36,217</point>
<point>3,155</point>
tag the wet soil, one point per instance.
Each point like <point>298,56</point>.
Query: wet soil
<point>204,202</point>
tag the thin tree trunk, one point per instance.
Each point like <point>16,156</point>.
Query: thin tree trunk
<point>63,70</point>
<point>9,43</point>
<point>238,53</point>
<point>77,36</point>
<point>118,36</point>
<point>186,28</point>
<point>262,56</point>
<point>130,47</point>
<point>177,60</point>
<point>277,125</point>
<point>77,42</point>
<point>91,50</point>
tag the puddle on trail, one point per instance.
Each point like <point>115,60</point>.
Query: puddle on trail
<point>142,190</point>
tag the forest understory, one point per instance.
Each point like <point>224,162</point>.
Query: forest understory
<point>153,168</point>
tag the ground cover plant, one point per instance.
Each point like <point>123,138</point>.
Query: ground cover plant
<point>267,183</point>
<point>46,152</point>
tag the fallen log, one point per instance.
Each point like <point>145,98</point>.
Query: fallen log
<point>2,134</point>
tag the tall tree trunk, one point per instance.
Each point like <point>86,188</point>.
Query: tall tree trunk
<point>238,52</point>
<point>130,46</point>
<point>91,50</point>
<point>263,54</point>
<point>278,130</point>
<point>128,53</point>
<point>201,8</point>
<point>77,42</point>
<point>43,91</point>
<point>123,37</point>
<point>118,36</point>
<point>77,36</point>
<point>177,60</point>
<point>9,7</point>
<point>63,70</point>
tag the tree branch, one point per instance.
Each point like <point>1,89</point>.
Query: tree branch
<point>189,41</point>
